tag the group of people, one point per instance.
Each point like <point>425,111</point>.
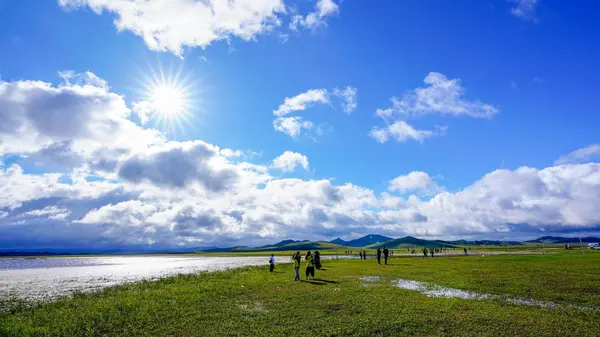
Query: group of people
<point>386,254</point>
<point>363,253</point>
<point>313,261</point>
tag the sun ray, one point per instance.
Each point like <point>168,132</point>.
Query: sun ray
<point>169,99</point>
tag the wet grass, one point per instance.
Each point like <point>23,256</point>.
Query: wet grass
<point>254,302</point>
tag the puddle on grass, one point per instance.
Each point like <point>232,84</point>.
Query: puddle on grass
<point>370,278</point>
<point>256,306</point>
<point>433,290</point>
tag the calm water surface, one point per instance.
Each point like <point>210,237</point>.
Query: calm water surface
<point>48,278</point>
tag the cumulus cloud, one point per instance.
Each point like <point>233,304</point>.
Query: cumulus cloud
<point>524,9</point>
<point>293,126</point>
<point>414,181</point>
<point>190,194</point>
<point>68,121</point>
<point>288,161</point>
<point>178,165</point>
<point>51,212</point>
<point>316,19</point>
<point>401,131</point>
<point>442,96</point>
<point>171,25</point>
<point>348,97</point>
<point>583,155</point>
<point>302,101</point>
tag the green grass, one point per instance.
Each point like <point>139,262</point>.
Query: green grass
<point>254,302</point>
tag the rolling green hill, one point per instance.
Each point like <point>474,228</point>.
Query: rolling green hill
<point>297,245</point>
<point>368,240</point>
<point>409,242</point>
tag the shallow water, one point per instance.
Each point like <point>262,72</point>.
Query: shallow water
<point>432,290</point>
<point>40,279</point>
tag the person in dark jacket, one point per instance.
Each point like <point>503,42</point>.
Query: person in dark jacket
<point>425,252</point>
<point>386,253</point>
<point>310,265</point>
<point>317,259</point>
<point>378,255</point>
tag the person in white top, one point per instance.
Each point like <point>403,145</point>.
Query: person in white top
<point>271,263</point>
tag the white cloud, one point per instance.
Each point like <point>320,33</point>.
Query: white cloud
<point>441,96</point>
<point>401,131</point>
<point>52,212</point>
<point>292,126</point>
<point>583,155</point>
<point>80,116</point>
<point>179,165</point>
<point>174,194</point>
<point>302,101</point>
<point>171,25</point>
<point>414,181</point>
<point>348,96</point>
<point>316,19</point>
<point>288,161</point>
<point>524,9</point>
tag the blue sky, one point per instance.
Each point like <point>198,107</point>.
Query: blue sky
<point>530,64</point>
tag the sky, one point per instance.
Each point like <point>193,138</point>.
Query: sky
<point>185,123</point>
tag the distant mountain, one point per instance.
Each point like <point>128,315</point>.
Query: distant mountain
<point>339,241</point>
<point>409,242</point>
<point>288,242</point>
<point>293,245</point>
<point>368,240</point>
<point>481,243</point>
<point>560,239</point>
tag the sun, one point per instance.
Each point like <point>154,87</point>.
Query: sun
<point>168,100</point>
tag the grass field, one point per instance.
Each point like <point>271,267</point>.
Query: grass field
<point>254,302</point>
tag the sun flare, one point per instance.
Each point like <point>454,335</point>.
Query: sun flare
<point>168,100</point>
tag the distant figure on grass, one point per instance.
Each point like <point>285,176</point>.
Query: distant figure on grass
<point>386,253</point>
<point>364,254</point>
<point>425,252</point>
<point>360,254</point>
<point>465,249</point>
<point>310,265</point>
<point>378,255</point>
<point>271,263</point>
<point>317,259</point>
<point>431,251</point>
<point>296,258</point>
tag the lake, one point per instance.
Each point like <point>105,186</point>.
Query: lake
<point>41,279</point>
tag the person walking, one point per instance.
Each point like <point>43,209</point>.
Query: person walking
<point>431,251</point>
<point>378,255</point>
<point>271,263</point>
<point>360,254</point>
<point>465,250</point>
<point>310,265</point>
<point>424,252</point>
<point>386,253</point>
<point>296,258</point>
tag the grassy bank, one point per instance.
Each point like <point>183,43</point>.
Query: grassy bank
<point>254,302</point>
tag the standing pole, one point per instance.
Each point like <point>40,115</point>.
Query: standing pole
<point>581,244</point>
